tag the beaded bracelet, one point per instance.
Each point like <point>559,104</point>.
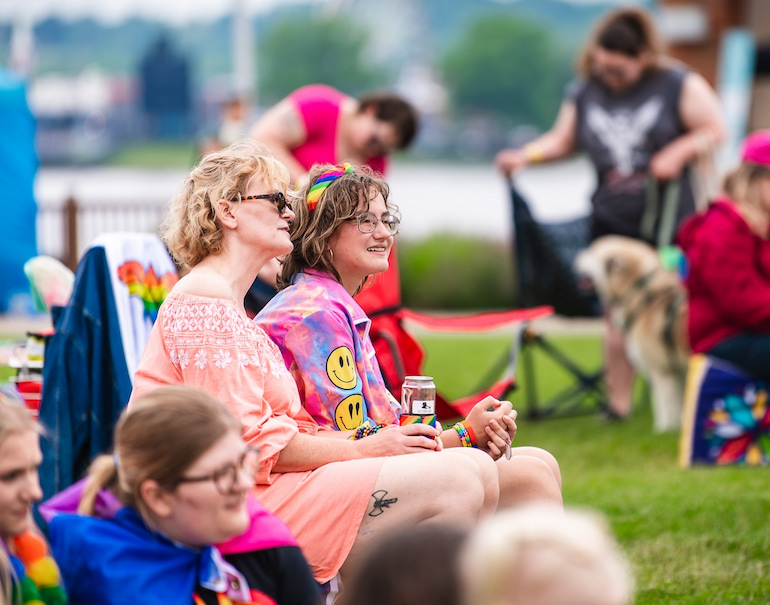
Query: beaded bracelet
<point>462,429</point>
<point>364,431</point>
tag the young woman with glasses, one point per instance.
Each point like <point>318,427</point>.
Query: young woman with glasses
<point>182,476</point>
<point>334,494</point>
<point>343,231</point>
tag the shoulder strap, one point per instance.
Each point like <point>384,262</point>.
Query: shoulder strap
<point>667,213</point>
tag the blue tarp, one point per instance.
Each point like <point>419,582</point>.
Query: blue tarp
<point>18,165</point>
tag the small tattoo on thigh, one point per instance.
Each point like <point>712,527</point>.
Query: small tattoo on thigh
<point>381,503</point>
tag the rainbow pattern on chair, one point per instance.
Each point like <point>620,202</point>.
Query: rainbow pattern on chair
<point>151,289</point>
<point>726,417</point>
<point>142,273</point>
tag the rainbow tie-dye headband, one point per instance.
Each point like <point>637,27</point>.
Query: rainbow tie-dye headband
<point>326,179</point>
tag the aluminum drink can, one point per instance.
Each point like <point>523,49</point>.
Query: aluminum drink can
<point>418,396</point>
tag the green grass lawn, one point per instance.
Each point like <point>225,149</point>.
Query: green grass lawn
<point>694,536</point>
<point>156,155</point>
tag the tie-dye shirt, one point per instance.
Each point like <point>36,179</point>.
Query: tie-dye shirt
<point>324,337</point>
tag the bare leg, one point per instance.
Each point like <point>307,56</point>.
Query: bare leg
<point>487,473</point>
<point>447,487</point>
<point>618,371</point>
<point>532,474</point>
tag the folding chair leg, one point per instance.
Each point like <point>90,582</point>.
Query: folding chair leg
<point>530,384</point>
<point>587,385</point>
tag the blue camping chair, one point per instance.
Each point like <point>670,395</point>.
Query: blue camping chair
<point>98,339</point>
<point>544,256</point>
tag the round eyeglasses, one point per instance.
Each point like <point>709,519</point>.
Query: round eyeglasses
<point>367,222</point>
<point>277,197</point>
<point>226,477</point>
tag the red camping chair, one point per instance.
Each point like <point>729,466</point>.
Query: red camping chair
<point>400,354</point>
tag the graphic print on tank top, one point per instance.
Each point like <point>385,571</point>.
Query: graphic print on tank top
<point>623,132</point>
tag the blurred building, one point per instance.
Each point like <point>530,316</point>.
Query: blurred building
<point>76,116</point>
<point>166,95</point>
<point>728,41</point>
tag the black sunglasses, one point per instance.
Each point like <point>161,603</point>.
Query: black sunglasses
<point>277,197</point>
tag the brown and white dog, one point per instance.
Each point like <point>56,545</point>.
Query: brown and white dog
<point>648,303</point>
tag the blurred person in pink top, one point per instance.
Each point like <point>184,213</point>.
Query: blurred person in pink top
<point>317,124</point>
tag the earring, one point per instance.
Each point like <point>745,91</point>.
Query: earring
<point>331,252</point>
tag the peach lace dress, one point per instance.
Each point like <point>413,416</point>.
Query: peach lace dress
<point>211,344</point>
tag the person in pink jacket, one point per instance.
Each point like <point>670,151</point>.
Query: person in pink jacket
<point>728,265</point>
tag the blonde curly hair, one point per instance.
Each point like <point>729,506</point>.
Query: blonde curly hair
<point>190,230</point>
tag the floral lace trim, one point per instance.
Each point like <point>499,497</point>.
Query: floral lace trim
<point>214,333</point>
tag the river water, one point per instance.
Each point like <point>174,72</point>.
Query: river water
<point>467,199</point>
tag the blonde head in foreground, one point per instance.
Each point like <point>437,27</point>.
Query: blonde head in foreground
<point>539,555</point>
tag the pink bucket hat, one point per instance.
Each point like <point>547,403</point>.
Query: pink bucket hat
<point>756,148</point>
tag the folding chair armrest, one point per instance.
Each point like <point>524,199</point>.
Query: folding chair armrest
<point>394,351</point>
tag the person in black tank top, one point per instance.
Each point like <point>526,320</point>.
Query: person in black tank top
<point>641,119</point>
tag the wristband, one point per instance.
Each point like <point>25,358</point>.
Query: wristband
<point>465,434</point>
<point>534,153</point>
<point>471,433</point>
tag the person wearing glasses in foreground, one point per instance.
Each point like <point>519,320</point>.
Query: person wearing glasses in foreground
<point>334,494</point>
<point>343,231</point>
<point>180,478</point>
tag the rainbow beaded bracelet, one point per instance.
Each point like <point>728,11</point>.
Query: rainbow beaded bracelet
<point>465,431</point>
<point>364,431</point>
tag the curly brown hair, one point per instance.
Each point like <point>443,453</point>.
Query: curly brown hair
<point>190,230</point>
<point>312,232</point>
<point>629,31</point>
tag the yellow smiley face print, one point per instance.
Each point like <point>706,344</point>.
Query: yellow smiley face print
<point>340,368</point>
<point>349,414</point>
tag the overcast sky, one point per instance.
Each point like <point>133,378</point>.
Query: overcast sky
<point>173,11</point>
